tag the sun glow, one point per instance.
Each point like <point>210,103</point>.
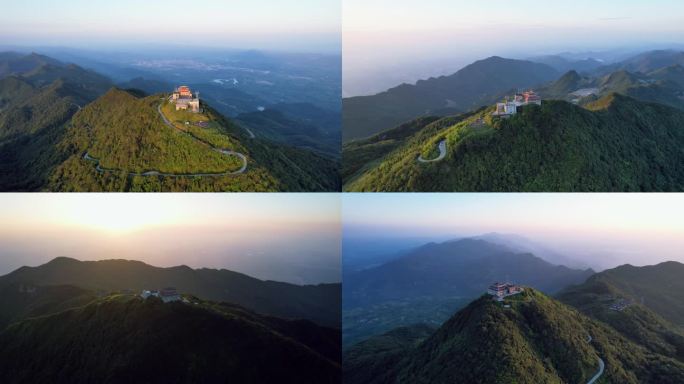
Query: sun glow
<point>119,214</point>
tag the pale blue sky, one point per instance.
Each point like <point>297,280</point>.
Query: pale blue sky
<point>634,228</point>
<point>295,24</point>
<point>416,39</point>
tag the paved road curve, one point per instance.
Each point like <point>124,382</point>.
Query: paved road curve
<point>442,153</point>
<point>223,151</point>
<point>602,365</point>
<point>598,374</point>
<point>100,169</point>
<point>154,172</point>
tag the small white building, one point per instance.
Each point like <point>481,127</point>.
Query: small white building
<point>145,294</point>
<point>506,108</point>
<point>503,290</point>
<point>184,100</point>
<point>169,294</point>
<point>509,108</point>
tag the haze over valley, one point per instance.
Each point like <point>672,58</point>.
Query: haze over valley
<point>265,95</point>
<point>390,43</point>
<point>539,97</point>
<point>288,238</point>
<point>189,287</point>
<point>502,288</point>
<point>599,231</point>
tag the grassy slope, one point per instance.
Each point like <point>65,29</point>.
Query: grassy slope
<point>429,284</point>
<point>127,133</point>
<point>369,360</point>
<point>127,339</point>
<point>537,340</point>
<point>21,301</point>
<point>659,286</point>
<point>622,145</point>
<point>636,322</point>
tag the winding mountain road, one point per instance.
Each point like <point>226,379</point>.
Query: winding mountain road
<point>442,153</point>
<point>100,169</point>
<point>223,151</point>
<point>154,172</point>
<point>602,365</point>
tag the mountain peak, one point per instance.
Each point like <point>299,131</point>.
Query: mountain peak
<point>571,74</point>
<point>63,260</point>
<point>510,336</point>
<point>116,92</point>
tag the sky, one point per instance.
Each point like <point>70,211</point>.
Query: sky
<point>600,230</point>
<point>277,236</point>
<point>296,25</point>
<point>386,42</point>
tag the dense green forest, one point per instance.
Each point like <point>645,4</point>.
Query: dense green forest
<point>614,144</point>
<point>53,114</point>
<point>126,134</point>
<point>122,338</point>
<point>84,322</point>
<point>528,338</point>
<point>428,284</point>
<point>653,304</point>
<point>38,97</point>
<point>615,133</point>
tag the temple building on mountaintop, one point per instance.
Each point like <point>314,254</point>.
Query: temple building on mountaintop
<point>184,100</point>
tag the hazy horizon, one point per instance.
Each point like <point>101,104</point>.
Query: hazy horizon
<point>387,42</point>
<point>302,26</point>
<point>284,237</point>
<point>599,230</point>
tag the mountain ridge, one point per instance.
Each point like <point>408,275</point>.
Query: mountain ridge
<point>313,302</point>
<point>477,84</point>
<point>528,338</point>
<point>46,129</point>
<point>190,341</point>
<point>555,147</point>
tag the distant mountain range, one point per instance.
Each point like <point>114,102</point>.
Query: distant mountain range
<point>430,282</point>
<point>86,322</point>
<point>53,114</point>
<point>461,267</point>
<point>621,118</point>
<point>533,338</point>
<point>477,84</point>
<point>564,64</point>
<point>319,303</point>
<point>302,125</point>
